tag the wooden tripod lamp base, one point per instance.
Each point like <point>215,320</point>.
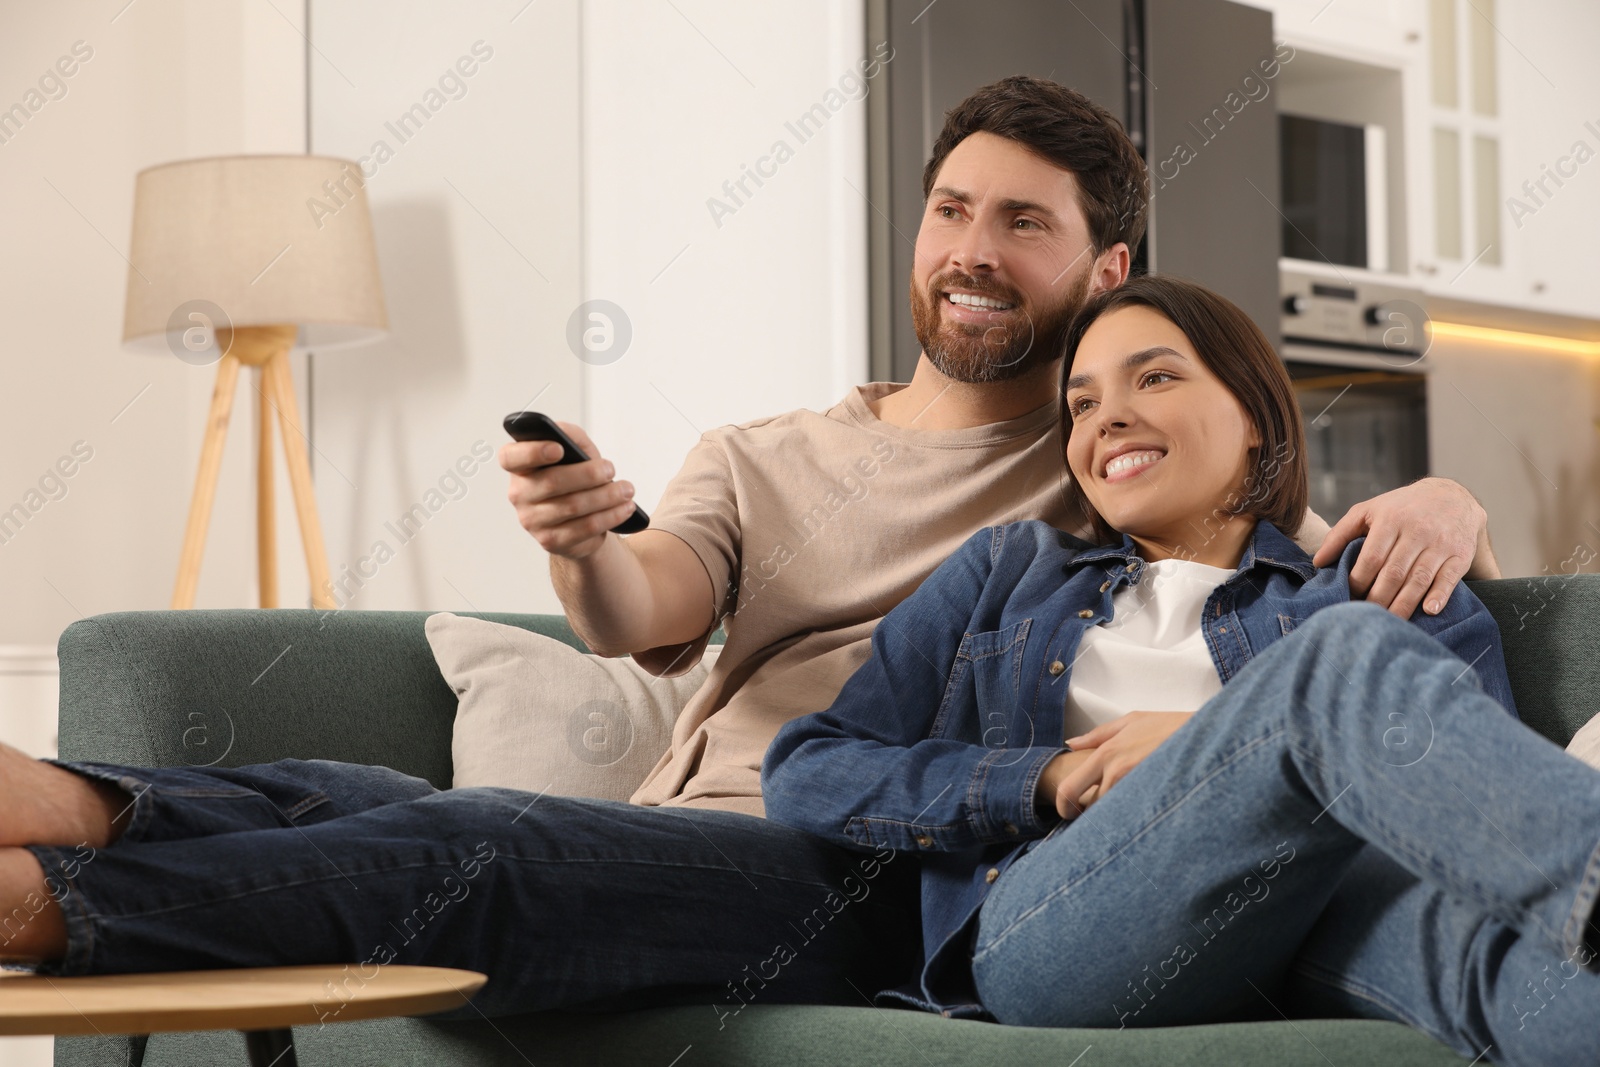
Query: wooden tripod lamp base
<point>266,349</point>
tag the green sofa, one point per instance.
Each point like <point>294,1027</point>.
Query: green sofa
<point>187,687</point>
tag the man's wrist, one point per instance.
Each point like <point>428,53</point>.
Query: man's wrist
<point>594,594</point>
<point>1483,565</point>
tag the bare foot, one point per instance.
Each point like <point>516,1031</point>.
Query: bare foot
<point>48,805</point>
<point>32,929</point>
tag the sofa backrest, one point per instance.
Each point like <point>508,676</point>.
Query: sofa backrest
<point>229,687</point>
<point>1550,628</point>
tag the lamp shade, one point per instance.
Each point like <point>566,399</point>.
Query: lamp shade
<point>265,240</point>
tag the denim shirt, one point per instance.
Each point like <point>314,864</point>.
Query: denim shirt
<point>936,744</point>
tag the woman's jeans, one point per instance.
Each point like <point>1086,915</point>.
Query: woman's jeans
<point>1349,828</point>
<point>562,902</point>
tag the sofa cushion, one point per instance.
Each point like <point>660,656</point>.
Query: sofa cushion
<point>782,1035</point>
<point>536,714</point>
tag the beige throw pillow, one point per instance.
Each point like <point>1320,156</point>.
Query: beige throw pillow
<point>1585,744</point>
<point>538,715</point>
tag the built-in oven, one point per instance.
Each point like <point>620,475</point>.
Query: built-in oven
<point>1356,350</point>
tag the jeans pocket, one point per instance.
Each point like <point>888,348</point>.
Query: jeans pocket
<point>309,802</point>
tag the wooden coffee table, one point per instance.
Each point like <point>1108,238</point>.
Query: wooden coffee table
<point>264,1002</point>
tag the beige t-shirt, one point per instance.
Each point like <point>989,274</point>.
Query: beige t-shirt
<point>812,527</point>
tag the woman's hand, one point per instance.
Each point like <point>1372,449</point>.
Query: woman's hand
<point>1102,757</point>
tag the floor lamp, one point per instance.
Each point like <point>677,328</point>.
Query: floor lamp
<point>233,260</point>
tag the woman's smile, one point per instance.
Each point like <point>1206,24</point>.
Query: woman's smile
<point>1128,461</point>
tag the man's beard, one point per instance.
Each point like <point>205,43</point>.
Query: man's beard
<point>1019,341</point>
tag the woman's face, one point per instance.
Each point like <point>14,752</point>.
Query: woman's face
<point>1158,444</point>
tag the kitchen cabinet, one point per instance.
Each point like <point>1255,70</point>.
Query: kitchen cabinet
<point>1550,88</point>
<point>1501,139</point>
<point>1381,31</point>
<point>1462,249</point>
<point>1511,116</point>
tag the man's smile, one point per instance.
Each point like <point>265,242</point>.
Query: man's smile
<point>976,301</point>
<point>965,306</point>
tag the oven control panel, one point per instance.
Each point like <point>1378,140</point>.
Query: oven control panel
<point>1355,313</point>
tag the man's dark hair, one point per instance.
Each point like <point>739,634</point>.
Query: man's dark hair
<point>1233,347</point>
<point>1064,127</point>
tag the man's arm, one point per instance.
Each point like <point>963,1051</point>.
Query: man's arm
<point>1422,539</point>
<point>634,593</point>
<point>621,594</point>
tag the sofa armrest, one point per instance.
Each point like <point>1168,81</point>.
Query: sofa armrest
<point>232,687</point>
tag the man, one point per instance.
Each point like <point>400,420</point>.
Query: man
<point>799,532</point>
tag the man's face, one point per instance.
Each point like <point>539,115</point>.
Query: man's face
<point>1003,261</point>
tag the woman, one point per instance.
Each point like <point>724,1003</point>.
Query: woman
<point>1265,743</point>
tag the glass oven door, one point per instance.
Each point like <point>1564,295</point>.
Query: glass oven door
<point>1366,431</point>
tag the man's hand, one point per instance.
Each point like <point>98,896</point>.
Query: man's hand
<point>621,595</point>
<point>1421,540</point>
<point>567,509</point>
<point>1102,757</point>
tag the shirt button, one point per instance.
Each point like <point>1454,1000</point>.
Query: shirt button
<point>1222,629</point>
<point>1104,586</point>
<point>1085,614</point>
<point>992,874</point>
<point>1057,667</point>
<point>1131,566</point>
<point>924,840</point>
<point>1011,828</point>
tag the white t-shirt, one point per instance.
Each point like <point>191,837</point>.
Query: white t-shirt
<point>1151,654</point>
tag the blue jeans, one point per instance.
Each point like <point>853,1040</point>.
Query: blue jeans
<point>562,902</point>
<point>1351,827</point>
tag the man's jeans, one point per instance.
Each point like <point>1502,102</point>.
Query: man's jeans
<point>1349,828</point>
<point>563,903</point>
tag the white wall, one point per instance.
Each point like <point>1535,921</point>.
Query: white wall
<point>165,81</point>
<point>759,315</point>
<point>1552,89</point>
<point>477,224</point>
<point>735,316</point>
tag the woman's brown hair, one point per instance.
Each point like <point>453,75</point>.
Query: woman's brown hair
<point>1239,354</point>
